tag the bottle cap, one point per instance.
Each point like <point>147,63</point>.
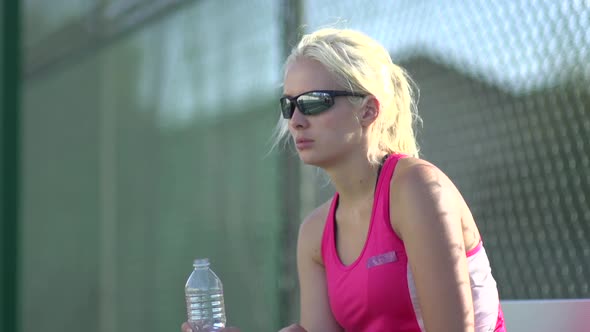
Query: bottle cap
<point>201,262</point>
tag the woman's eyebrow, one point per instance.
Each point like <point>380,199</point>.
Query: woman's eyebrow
<point>297,95</point>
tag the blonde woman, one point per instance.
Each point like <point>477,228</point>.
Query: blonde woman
<point>396,248</point>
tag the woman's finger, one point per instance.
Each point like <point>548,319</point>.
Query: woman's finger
<point>186,327</point>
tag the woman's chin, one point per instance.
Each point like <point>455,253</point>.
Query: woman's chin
<point>311,159</point>
<point>307,158</point>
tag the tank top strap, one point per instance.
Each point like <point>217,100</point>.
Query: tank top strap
<point>328,235</point>
<point>388,168</point>
<point>382,213</point>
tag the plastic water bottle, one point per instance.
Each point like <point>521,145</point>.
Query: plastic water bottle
<point>204,298</point>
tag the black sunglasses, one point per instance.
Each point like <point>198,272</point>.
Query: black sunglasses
<point>312,102</point>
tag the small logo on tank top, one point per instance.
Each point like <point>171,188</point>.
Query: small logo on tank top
<point>388,257</point>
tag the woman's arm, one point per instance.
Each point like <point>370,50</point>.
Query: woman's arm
<point>316,315</point>
<point>428,219</point>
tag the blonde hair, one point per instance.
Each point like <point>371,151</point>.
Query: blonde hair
<point>363,65</point>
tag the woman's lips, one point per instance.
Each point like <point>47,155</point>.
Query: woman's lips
<point>303,143</point>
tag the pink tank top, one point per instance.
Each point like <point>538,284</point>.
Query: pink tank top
<point>377,292</point>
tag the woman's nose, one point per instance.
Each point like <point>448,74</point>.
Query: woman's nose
<point>298,120</point>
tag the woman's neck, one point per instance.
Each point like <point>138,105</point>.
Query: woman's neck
<point>354,179</point>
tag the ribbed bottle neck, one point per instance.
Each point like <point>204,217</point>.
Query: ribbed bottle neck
<point>201,263</point>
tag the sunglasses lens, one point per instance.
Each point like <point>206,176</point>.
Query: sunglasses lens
<point>286,108</point>
<point>315,102</point>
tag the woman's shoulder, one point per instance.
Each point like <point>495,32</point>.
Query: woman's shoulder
<point>415,172</point>
<point>312,228</point>
<point>417,183</point>
<point>313,225</point>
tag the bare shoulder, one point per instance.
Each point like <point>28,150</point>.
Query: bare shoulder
<point>417,188</point>
<point>311,231</point>
<point>412,172</point>
<point>418,180</point>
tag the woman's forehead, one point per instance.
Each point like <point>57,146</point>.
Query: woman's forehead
<point>304,75</point>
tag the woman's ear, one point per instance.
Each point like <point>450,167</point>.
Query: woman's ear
<point>370,111</point>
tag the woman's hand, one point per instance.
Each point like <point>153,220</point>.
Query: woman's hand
<point>187,328</point>
<point>293,328</point>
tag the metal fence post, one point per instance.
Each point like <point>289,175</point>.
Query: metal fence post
<point>9,163</point>
<point>291,16</point>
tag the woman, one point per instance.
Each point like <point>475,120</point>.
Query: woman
<point>396,248</point>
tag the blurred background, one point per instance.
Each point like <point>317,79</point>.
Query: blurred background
<point>136,137</point>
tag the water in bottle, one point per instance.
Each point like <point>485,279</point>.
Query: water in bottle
<point>204,298</point>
